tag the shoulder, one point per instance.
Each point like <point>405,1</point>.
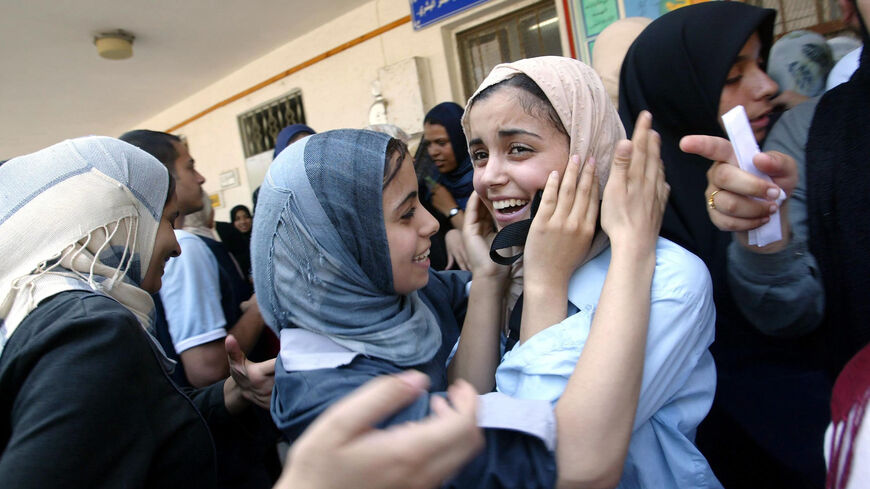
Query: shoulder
<point>446,290</point>
<point>195,255</point>
<point>74,308</point>
<point>447,280</point>
<point>798,118</point>
<point>78,331</point>
<point>300,396</point>
<point>679,271</point>
<point>190,242</point>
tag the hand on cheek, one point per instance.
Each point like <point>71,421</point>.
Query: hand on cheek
<point>564,225</point>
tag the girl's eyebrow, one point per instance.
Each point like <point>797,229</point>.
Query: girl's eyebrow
<point>513,132</point>
<point>503,133</point>
<point>411,196</point>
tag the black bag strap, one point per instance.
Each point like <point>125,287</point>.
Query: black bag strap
<point>514,234</point>
<point>514,323</point>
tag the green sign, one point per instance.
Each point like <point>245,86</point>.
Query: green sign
<point>598,14</point>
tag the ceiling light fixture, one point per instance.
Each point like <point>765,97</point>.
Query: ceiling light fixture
<point>114,45</point>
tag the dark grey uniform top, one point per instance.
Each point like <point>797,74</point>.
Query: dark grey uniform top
<point>511,458</point>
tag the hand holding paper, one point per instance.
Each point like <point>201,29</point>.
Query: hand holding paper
<point>745,148</point>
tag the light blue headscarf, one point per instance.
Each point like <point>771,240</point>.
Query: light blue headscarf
<point>319,250</point>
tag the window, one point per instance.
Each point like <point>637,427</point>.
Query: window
<point>526,33</point>
<point>822,16</point>
<point>260,125</point>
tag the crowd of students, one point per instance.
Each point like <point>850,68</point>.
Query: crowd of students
<point>607,322</point>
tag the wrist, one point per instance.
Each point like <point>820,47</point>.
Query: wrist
<point>456,216</point>
<point>544,286</point>
<point>491,279</point>
<point>633,252</point>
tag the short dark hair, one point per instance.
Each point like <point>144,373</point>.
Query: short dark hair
<point>158,144</point>
<point>171,190</point>
<point>536,106</point>
<point>397,148</point>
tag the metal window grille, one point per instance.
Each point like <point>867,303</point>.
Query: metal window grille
<point>529,32</point>
<point>822,16</point>
<point>260,125</point>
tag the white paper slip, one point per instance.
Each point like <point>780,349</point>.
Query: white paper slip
<point>745,147</point>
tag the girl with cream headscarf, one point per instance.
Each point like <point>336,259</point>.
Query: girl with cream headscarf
<point>652,367</point>
<point>85,228</point>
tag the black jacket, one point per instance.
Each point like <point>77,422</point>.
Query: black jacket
<point>85,402</point>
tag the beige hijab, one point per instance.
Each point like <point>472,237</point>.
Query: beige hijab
<point>586,112</point>
<point>610,48</point>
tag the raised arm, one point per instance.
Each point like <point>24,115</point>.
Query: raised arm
<point>596,412</point>
<point>558,243</point>
<point>777,287</point>
<point>478,354</point>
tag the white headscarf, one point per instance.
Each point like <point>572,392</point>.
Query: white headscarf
<point>81,214</point>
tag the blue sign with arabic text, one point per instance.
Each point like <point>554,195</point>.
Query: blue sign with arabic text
<point>426,12</point>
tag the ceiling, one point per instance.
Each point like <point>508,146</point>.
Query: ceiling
<point>53,85</point>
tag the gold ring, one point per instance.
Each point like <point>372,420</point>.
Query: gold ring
<point>711,204</point>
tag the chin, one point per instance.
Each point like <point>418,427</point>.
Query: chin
<point>152,288</point>
<point>409,286</point>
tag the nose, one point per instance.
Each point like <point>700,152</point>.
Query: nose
<point>199,178</point>
<point>765,86</point>
<point>176,248</point>
<point>492,174</point>
<point>433,149</point>
<point>429,224</point>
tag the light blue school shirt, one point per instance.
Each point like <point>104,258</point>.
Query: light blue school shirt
<point>679,377</point>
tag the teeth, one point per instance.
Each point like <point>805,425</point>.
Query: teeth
<point>422,256</point>
<point>504,204</point>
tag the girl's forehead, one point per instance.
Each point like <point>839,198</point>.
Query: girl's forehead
<point>507,108</point>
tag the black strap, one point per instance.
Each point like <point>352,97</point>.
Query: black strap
<point>514,234</point>
<point>516,320</point>
<point>514,323</point>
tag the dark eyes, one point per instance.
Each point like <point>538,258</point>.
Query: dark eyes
<point>410,214</point>
<point>479,157</point>
<point>762,65</point>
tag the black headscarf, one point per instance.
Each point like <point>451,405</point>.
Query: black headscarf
<point>838,202</point>
<point>235,241</point>
<point>677,69</point>
<point>459,181</point>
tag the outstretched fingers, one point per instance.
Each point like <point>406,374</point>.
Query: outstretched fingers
<point>711,147</point>
<point>549,199</point>
<point>585,208</point>
<point>568,188</point>
<point>640,141</point>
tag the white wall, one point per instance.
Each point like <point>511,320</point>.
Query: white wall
<point>336,92</point>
